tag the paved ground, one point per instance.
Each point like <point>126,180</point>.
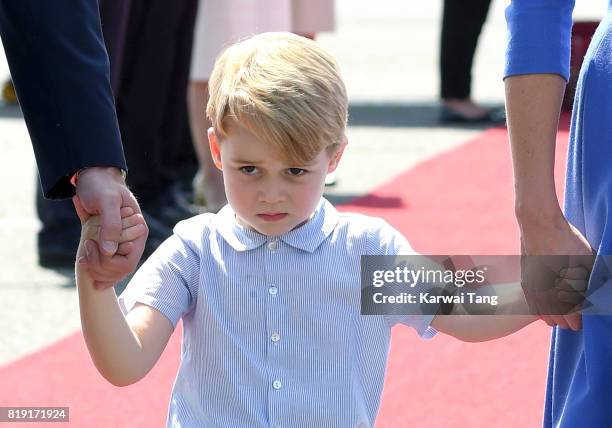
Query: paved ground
<point>388,54</point>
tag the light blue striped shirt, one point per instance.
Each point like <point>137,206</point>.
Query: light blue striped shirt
<point>272,331</point>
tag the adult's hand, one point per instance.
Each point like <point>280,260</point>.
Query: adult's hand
<point>102,191</point>
<point>547,248</point>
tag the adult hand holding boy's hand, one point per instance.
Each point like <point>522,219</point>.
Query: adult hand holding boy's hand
<point>106,271</point>
<point>102,191</point>
<point>568,256</point>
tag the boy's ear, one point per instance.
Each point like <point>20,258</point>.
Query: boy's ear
<point>214,148</point>
<point>335,159</point>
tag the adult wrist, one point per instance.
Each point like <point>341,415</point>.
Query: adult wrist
<point>539,216</point>
<point>118,174</point>
<point>536,203</point>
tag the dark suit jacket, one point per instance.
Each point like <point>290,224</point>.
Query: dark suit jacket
<point>60,69</point>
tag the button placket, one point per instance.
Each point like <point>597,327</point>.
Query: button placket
<point>272,251</point>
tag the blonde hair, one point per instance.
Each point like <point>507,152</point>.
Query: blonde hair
<point>283,88</point>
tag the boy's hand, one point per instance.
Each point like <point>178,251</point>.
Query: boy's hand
<point>571,287</point>
<point>107,271</point>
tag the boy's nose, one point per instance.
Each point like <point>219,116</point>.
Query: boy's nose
<point>272,195</point>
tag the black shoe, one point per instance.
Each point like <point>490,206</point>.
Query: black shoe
<point>493,116</point>
<point>170,215</point>
<point>58,250</point>
<point>158,233</point>
<point>184,199</point>
<point>57,247</point>
<point>166,209</point>
<point>57,255</point>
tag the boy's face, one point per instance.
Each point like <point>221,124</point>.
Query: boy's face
<point>266,193</point>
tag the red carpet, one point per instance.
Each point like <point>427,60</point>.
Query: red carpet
<point>461,202</point>
<point>457,203</point>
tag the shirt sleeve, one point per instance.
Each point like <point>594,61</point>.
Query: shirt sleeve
<point>168,281</point>
<point>539,36</point>
<point>393,243</point>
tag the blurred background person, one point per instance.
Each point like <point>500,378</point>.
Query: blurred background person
<point>152,107</point>
<point>462,22</point>
<point>219,24</point>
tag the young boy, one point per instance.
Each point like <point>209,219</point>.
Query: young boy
<point>269,288</point>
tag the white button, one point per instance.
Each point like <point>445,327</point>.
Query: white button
<point>273,290</point>
<point>275,337</point>
<point>277,384</point>
<point>273,245</point>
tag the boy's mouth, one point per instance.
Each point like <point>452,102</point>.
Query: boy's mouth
<point>272,216</point>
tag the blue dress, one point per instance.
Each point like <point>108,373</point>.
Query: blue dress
<point>579,391</point>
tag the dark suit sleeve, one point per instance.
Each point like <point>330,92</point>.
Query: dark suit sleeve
<point>60,69</point>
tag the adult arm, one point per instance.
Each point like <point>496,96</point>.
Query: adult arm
<point>537,68</point>
<point>60,69</point>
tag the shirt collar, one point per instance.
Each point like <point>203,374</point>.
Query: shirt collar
<point>307,237</point>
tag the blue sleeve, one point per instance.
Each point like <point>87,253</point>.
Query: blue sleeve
<point>60,69</point>
<point>539,35</point>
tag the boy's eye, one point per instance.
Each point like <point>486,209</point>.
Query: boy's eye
<point>249,170</point>
<point>296,172</point>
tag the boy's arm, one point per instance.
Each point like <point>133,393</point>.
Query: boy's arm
<point>478,322</point>
<point>480,328</point>
<point>470,323</point>
<point>123,349</point>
